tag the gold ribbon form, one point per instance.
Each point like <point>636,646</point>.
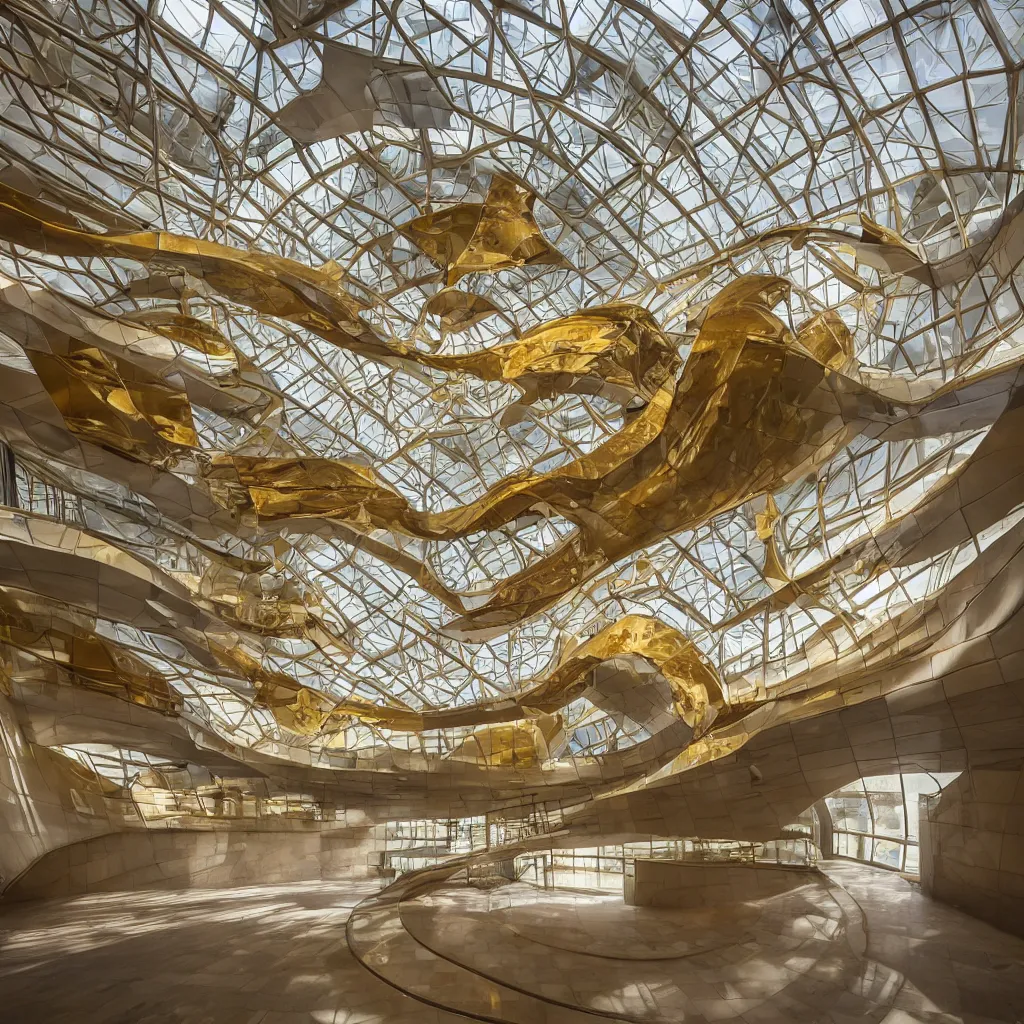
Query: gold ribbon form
<point>524,744</point>
<point>111,403</point>
<point>614,349</point>
<point>696,690</point>
<point>29,624</point>
<point>481,238</point>
<point>313,298</point>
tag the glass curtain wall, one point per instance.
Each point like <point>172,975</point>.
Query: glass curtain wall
<point>605,867</point>
<point>875,819</point>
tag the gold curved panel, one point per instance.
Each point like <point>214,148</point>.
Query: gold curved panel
<point>755,406</point>
<point>297,708</point>
<point>525,744</point>
<point>109,402</point>
<point>696,689</point>
<point>616,350</point>
<point>92,661</point>
<point>312,298</point>
<point>480,238</point>
<point>315,299</point>
<point>264,604</point>
<point>154,341</point>
<point>189,331</point>
<point>279,488</point>
<point>459,310</point>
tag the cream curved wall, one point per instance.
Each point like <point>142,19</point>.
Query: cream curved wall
<point>671,883</point>
<point>972,845</point>
<point>179,859</point>
<point>45,802</point>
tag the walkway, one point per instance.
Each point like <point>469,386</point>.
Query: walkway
<point>862,945</point>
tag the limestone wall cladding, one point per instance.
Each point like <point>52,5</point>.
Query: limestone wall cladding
<point>45,802</point>
<point>173,859</point>
<point>972,845</point>
<point>668,883</point>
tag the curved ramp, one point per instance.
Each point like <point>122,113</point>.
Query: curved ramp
<point>380,941</point>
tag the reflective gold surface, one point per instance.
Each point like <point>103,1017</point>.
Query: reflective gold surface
<point>497,234</point>
<point>258,601</point>
<point>459,310</point>
<point>616,350</point>
<point>756,408</point>
<point>113,404</point>
<point>518,745</point>
<point>70,642</point>
<point>696,690</point>
<point>187,330</point>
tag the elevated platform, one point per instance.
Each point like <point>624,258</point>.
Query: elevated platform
<point>777,943</point>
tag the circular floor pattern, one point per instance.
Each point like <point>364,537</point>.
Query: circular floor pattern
<point>787,952</point>
<point>612,930</point>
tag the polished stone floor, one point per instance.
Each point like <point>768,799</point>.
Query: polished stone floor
<point>715,963</point>
<point>859,944</point>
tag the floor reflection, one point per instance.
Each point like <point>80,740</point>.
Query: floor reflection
<point>277,954</point>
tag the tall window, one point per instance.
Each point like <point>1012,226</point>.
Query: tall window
<point>876,819</point>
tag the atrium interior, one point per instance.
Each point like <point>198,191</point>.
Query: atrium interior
<point>511,511</point>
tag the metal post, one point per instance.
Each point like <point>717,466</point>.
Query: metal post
<point>8,477</point>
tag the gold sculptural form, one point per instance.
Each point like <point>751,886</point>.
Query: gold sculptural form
<point>544,360</point>
<point>168,345</point>
<point>257,601</point>
<point>883,662</point>
<point>299,709</point>
<point>125,384</point>
<point>521,743</point>
<point>64,579</point>
<point>30,624</point>
<point>497,234</point>
<point>524,744</point>
<point>189,331</point>
<point>115,405</point>
<point>695,687</point>
<point>615,350</point>
<point>459,310</point>
<point>274,285</point>
<point>756,407</point>
<point>268,605</point>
